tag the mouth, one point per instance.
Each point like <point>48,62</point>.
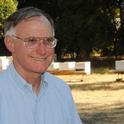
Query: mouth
<point>39,58</point>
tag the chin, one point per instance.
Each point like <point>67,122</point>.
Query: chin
<point>40,70</point>
<point>40,67</point>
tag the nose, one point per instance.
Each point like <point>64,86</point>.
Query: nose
<point>41,49</point>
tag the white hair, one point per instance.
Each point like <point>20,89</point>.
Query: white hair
<point>10,32</point>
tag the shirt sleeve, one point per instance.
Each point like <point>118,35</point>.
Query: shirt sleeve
<point>74,116</point>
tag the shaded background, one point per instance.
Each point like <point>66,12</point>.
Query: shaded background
<point>85,29</point>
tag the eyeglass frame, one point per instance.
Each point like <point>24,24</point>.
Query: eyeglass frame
<point>37,40</point>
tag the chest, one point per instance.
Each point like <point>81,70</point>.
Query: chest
<point>26,108</point>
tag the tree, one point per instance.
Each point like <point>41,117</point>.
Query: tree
<point>6,8</point>
<point>81,25</point>
<point>85,25</point>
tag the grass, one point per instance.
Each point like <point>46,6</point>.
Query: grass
<point>99,97</point>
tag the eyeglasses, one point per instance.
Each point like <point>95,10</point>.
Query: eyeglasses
<point>33,42</point>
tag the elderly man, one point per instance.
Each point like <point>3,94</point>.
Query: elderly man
<point>29,94</point>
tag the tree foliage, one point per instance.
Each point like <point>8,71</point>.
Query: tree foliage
<point>6,8</point>
<point>86,25</point>
<point>82,25</point>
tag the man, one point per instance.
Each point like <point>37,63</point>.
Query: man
<point>29,94</point>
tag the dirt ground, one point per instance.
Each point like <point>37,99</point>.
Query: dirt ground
<point>99,97</point>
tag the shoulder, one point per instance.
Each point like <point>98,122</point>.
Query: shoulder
<point>4,78</point>
<point>56,82</point>
<point>53,79</point>
<point>60,88</point>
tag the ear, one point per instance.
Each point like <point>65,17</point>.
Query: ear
<point>9,43</point>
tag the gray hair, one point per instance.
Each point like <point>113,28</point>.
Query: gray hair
<point>22,14</point>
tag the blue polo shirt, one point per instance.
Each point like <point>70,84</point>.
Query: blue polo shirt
<point>20,105</point>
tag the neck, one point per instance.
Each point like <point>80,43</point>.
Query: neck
<point>32,78</point>
<point>35,82</point>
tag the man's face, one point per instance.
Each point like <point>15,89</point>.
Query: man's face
<point>35,59</point>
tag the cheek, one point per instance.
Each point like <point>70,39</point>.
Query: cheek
<point>50,52</point>
<point>51,55</point>
<point>20,51</point>
<point>19,47</point>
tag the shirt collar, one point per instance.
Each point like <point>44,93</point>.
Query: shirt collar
<point>20,81</point>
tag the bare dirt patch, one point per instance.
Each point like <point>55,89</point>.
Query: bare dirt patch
<point>99,97</point>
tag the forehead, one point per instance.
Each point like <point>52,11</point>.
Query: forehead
<point>37,19</point>
<point>34,24</point>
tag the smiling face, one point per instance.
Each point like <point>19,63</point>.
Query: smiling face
<point>31,60</point>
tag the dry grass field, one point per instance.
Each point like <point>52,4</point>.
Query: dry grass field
<point>99,97</point>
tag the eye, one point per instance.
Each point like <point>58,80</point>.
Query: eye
<point>49,40</point>
<point>32,40</point>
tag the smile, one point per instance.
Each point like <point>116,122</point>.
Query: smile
<point>39,58</point>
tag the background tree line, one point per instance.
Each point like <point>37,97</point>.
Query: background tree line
<point>84,28</point>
